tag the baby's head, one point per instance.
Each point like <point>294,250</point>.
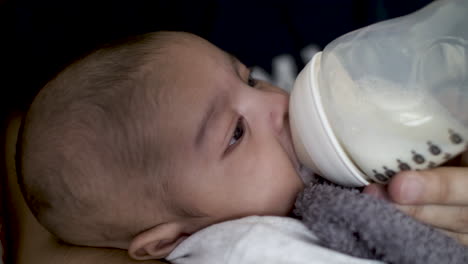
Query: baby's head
<point>143,143</point>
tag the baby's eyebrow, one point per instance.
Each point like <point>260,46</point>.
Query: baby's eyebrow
<point>214,104</point>
<point>235,62</point>
<point>208,118</point>
<point>203,125</point>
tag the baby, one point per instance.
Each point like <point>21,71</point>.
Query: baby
<point>142,143</point>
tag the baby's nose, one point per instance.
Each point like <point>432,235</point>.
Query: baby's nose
<point>279,109</point>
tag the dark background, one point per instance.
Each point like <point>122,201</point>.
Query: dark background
<point>39,38</point>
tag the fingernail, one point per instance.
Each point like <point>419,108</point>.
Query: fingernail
<point>411,189</point>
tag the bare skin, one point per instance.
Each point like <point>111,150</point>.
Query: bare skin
<point>437,197</point>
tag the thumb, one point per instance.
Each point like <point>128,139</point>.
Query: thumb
<point>443,185</point>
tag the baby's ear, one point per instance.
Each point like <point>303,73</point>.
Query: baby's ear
<point>157,242</point>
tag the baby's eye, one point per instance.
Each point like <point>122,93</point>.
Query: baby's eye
<point>238,132</point>
<point>251,81</point>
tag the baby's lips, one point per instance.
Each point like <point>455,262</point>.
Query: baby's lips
<point>286,140</point>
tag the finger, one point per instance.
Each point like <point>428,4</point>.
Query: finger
<point>451,218</point>
<point>444,185</point>
<point>460,237</point>
<point>376,190</point>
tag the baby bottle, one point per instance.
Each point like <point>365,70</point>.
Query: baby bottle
<point>389,97</point>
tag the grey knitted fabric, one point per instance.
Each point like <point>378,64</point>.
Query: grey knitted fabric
<point>360,225</point>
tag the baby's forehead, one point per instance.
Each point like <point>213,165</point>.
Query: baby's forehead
<point>194,50</point>
<point>196,70</point>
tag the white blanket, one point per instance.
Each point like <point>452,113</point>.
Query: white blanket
<point>256,240</point>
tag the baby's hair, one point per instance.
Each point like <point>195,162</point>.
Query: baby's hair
<point>89,140</point>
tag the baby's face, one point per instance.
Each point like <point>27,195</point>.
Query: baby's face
<point>228,136</point>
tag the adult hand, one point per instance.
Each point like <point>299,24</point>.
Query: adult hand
<point>438,197</point>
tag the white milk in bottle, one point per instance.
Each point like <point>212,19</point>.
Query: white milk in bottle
<point>389,97</point>
<point>386,132</point>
